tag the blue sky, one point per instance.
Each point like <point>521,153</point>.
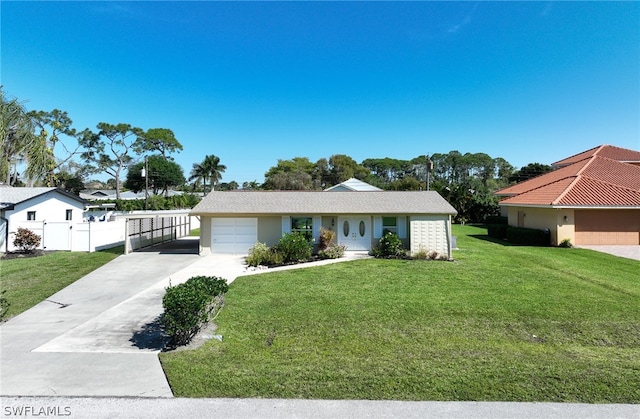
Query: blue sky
<point>254,82</point>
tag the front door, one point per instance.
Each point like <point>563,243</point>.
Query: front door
<point>355,232</point>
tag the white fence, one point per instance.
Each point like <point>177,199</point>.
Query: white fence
<point>67,235</point>
<point>139,229</point>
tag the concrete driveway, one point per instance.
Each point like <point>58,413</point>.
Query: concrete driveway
<point>100,336</point>
<point>623,251</point>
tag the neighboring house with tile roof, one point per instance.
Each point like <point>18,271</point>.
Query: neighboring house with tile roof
<point>233,221</point>
<point>43,207</point>
<point>591,198</point>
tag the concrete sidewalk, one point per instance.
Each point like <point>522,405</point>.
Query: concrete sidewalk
<point>100,336</point>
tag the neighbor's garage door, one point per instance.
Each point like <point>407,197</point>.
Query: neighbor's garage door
<point>233,235</point>
<point>607,226</point>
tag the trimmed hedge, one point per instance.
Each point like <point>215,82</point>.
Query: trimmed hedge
<point>189,306</point>
<point>528,236</point>
<point>498,231</point>
<point>496,219</point>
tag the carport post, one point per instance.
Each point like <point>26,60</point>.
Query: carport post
<point>127,245</point>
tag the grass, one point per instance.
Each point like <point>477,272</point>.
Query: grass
<point>508,323</point>
<point>28,281</point>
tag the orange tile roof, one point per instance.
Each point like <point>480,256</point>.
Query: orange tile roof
<point>592,180</point>
<point>612,152</point>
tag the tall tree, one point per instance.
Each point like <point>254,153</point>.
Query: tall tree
<point>161,140</point>
<point>52,126</point>
<point>294,174</point>
<point>162,175</point>
<point>111,149</point>
<point>210,168</point>
<point>529,171</point>
<point>17,139</point>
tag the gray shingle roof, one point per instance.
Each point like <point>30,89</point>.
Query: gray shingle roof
<point>11,196</point>
<point>316,202</point>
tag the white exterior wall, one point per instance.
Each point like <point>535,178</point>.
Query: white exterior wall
<point>430,232</point>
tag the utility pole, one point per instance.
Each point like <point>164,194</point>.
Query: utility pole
<point>145,174</point>
<point>429,169</point>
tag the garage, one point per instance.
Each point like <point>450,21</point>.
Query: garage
<point>607,227</point>
<point>233,235</point>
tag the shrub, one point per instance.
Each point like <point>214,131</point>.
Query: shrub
<point>390,246</point>
<point>327,237</point>
<point>528,236</point>
<point>496,219</point>
<point>259,254</point>
<point>294,247</point>
<point>498,231</point>
<point>188,306</point>
<point>26,240</point>
<point>565,243</point>
<point>4,305</point>
<point>333,251</point>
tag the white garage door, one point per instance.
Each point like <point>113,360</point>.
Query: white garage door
<point>233,235</point>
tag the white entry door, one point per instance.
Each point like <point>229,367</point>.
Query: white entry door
<point>355,232</point>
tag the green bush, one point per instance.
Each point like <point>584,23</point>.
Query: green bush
<point>566,243</point>
<point>390,246</point>
<point>188,306</point>
<point>528,236</point>
<point>333,251</point>
<point>26,240</point>
<point>499,231</point>
<point>496,219</point>
<point>259,254</point>
<point>294,247</point>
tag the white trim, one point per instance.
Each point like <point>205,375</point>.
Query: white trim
<point>401,226</point>
<point>286,224</point>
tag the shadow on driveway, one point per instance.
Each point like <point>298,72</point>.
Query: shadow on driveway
<point>183,246</point>
<point>150,336</point>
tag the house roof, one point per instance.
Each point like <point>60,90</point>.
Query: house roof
<point>611,152</point>
<point>595,181</point>
<point>353,184</point>
<point>319,202</point>
<point>10,196</point>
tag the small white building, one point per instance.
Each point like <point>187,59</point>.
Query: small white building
<point>49,212</point>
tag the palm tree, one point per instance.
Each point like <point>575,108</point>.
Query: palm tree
<point>210,168</point>
<point>17,139</point>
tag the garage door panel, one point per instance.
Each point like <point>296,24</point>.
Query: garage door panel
<point>233,235</point>
<point>607,227</point>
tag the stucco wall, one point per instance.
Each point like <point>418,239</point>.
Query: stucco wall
<point>269,230</point>
<point>545,218</point>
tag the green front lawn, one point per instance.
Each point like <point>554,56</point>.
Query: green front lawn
<point>500,323</point>
<point>28,281</point>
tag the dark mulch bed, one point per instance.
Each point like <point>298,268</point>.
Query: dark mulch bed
<point>19,255</point>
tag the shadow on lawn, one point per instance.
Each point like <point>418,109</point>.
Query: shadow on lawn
<point>150,336</point>
<point>488,238</point>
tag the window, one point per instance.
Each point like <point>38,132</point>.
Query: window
<point>68,215</point>
<point>389,224</point>
<point>31,215</point>
<point>302,225</point>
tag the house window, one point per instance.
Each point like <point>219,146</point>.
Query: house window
<point>68,215</point>
<point>31,215</point>
<point>303,225</point>
<point>390,224</point>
